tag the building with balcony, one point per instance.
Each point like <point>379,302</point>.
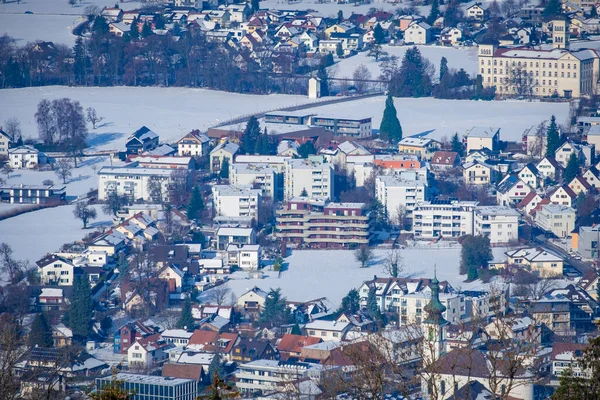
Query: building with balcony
<point>315,223</point>
<point>443,219</point>
<point>32,194</point>
<point>267,376</point>
<point>135,183</point>
<point>557,219</point>
<point>345,126</point>
<point>500,224</point>
<point>312,177</point>
<point>587,242</point>
<point>259,176</point>
<point>236,201</point>
<point>400,193</point>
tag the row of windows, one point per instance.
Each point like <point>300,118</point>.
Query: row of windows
<point>524,64</point>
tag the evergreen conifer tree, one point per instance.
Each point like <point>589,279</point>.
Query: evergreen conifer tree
<point>378,34</point>
<point>303,193</point>
<point>390,129</point>
<point>412,79</point>
<point>572,169</point>
<point>350,302</point>
<point>322,75</point>
<point>434,12</point>
<point>552,138</point>
<point>251,135</point>
<point>146,30</point>
<point>41,332</point>
<point>81,307</point>
<point>275,312</point>
<point>224,172</point>
<point>443,67</point>
<point>186,320</point>
<point>372,307</point>
<point>196,205</point>
<point>456,144</point>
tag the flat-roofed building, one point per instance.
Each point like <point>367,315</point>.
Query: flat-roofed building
<point>443,219</point>
<point>315,223</point>
<point>312,177</point>
<point>236,201</point>
<point>358,127</point>
<point>149,387</point>
<point>499,223</point>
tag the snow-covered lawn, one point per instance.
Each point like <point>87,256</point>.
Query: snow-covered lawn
<point>463,57</point>
<point>327,9</point>
<point>82,180</point>
<point>445,117</point>
<point>170,112</point>
<point>332,273</point>
<point>52,20</point>
<point>32,235</point>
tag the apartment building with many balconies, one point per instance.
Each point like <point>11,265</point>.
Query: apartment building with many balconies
<point>399,194</point>
<point>315,223</point>
<point>236,201</point>
<point>500,224</point>
<point>447,219</point>
<point>312,177</point>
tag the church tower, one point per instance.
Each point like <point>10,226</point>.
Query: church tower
<point>434,325</point>
<point>560,32</point>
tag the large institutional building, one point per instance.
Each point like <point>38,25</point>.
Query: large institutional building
<point>550,70</point>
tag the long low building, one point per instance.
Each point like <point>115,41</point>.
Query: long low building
<point>316,224</point>
<point>32,194</point>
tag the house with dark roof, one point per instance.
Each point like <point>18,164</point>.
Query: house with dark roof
<point>445,160</point>
<point>185,371</point>
<point>247,350</point>
<point>141,140</point>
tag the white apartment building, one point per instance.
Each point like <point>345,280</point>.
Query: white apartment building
<point>448,219</point>
<point>312,176</point>
<point>134,182</point>
<point>264,376</point>
<point>24,157</point>
<point>499,223</point>
<point>246,257</point>
<point>482,137</point>
<point>400,193</point>
<point>327,330</point>
<point>260,176</point>
<point>542,71</point>
<point>558,219</point>
<point>236,201</point>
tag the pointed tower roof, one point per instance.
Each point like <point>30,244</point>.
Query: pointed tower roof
<point>435,308</point>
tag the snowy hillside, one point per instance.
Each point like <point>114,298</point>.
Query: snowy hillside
<point>458,58</point>
<point>170,112</point>
<point>445,117</point>
<point>332,273</point>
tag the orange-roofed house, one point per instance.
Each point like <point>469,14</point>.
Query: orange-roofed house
<point>290,346</point>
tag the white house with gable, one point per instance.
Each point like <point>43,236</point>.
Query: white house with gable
<point>418,33</point>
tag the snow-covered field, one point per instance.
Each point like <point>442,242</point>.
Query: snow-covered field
<point>332,273</point>
<point>82,180</point>
<point>170,112</point>
<point>51,20</point>
<point>445,117</point>
<point>464,57</point>
<point>32,235</point>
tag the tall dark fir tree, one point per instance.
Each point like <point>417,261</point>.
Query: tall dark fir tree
<point>251,135</point>
<point>80,315</point>
<point>552,138</point>
<point>390,129</point>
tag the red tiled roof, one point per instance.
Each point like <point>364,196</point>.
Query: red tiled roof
<point>293,343</point>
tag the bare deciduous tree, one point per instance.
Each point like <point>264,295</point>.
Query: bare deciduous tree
<point>63,169</point>
<point>219,295</point>
<point>393,263</point>
<point>359,76</point>
<point>363,255</point>
<point>12,127</point>
<point>92,116</point>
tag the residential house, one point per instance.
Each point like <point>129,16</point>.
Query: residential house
<point>523,329</point>
<point>61,336</point>
<point>549,168</point>
<point>443,219</point>
<point>511,191</point>
<point>531,176</point>
<point>214,342</point>
<point>566,356</point>
<point>51,299</point>
<point>141,141</point>
<point>443,160</point>
<point>238,236</point>
<point>193,144</point>
<point>563,196</point>
<point>478,173</point>
<point>32,194</point>
<point>451,36</point>
<point>119,28</point>
<point>580,185</point>
<point>147,352</point>
<point>177,337</point>
<point>268,376</point>
<point>538,259</point>
<point>477,12</point>
<point>480,137</point>
<point>224,151</point>
<point>327,330</point>
<point>418,33</point>
<point>590,282</point>
<point>112,14</point>
<point>26,157</point>
<point>563,153</point>
<point>592,177</point>
<point>246,257</point>
<point>173,276</point>
<point>343,27</point>
<point>424,148</point>
<point>247,350</point>
<point>529,203</point>
<point>5,141</point>
<point>253,300</point>
<point>127,334</point>
<point>290,345</point>
<point>566,311</point>
<point>55,270</point>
